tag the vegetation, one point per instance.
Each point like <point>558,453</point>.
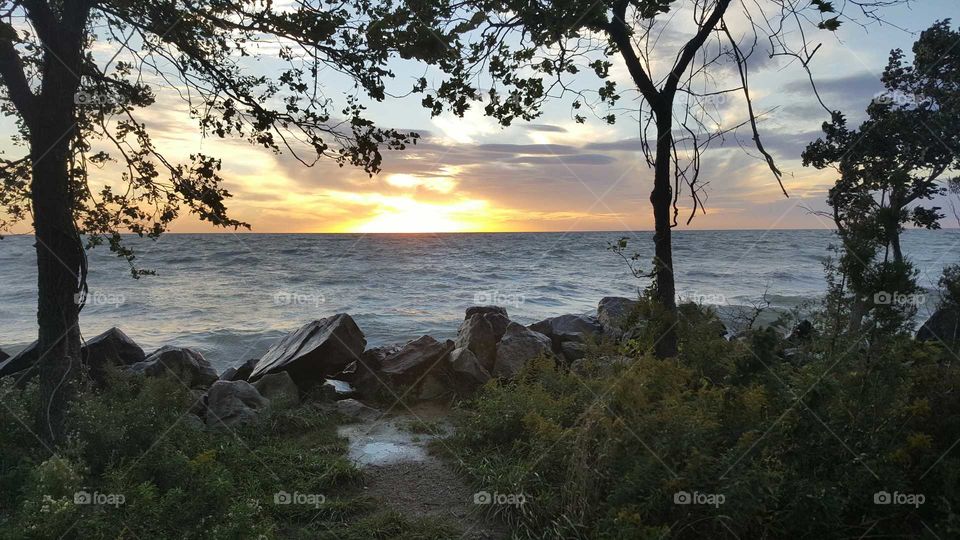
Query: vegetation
<point>148,472</point>
<point>758,437</point>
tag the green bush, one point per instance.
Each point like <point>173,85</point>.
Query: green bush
<point>795,448</point>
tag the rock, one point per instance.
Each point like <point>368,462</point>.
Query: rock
<point>466,371</point>
<point>333,390</point>
<point>434,386</point>
<point>111,348</point>
<point>352,408</point>
<point>415,359</point>
<point>186,365</point>
<point>317,350</point>
<point>477,335</point>
<point>23,364</point>
<point>486,310</point>
<point>199,406</point>
<point>943,325</point>
<point>194,422</point>
<point>233,403</point>
<point>614,314</point>
<point>279,388</point>
<point>239,373</point>
<point>803,331</point>
<point>363,374</point>
<point>604,366</point>
<point>3,355</point>
<point>518,346</point>
<point>564,328</point>
<point>573,350</point>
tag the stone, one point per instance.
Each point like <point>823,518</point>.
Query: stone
<point>333,390</point>
<point>233,403</point>
<point>803,331</point>
<point>22,364</point>
<point>415,359</point>
<point>315,351</point>
<point>573,350</point>
<point>614,314</point>
<point>363,374</point>
<point>355,410</point>
<point>485,310</point>
<point>943,325</point>
<point>279,388</point>
<point>434,386</point>
<point>3,355</point>
<point>111,348</point>
<point>199,405</point>
<point>240,372</point>
<point>579,328</point>
<point>186,365</point>
<point>466,370</point>
<point>477,334</point>
<point>518,346</point>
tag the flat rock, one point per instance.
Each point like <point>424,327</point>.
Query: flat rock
<point>614,313</point>
<point>518,346</point>
<point>22,364</point>
<point>315,351</point>
<point>943,325</point>
<point>333,390</point>
<point>353,409</point>
<point>186,365</point>
<point>111,348</point>
<point>233,403</point>
<point>414,360</point>
<point>279,388</point>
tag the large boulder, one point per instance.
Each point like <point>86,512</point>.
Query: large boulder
<point>239,372</point>
<point>233,403</point>
<point>577,328</point>
<point>3,355</point>
<point>466,371</point>
<point>415,359</point>
<point>335,390</point>
<point>614,314</point>
<point>518,346</point>
<point>317,350</point>
<point>22,364</point>
<point>363,374</point>
<point>111,348</point>
<point>943,325</point>
<point>355,410</point>
<point>481,330</point>
<point>186,365</point>
<point>278,388</point>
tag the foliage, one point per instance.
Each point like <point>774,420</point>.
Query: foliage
<point>795,448</point>
<point>136,440</point>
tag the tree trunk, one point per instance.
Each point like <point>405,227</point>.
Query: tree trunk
<point>661,198</point>
<point>59,262</point>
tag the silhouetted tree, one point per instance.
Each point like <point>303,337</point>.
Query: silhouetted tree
<point>890,167</point>
<point>76,73</point>
<point>530,52</point>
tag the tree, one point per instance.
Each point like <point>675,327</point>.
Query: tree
<point>78,110</point>
<point>529,52</point>
<point>890,167</point>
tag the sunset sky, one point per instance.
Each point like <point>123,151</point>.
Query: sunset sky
<point>552,174</point>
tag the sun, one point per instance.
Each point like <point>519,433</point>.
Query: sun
<point>405,215</point>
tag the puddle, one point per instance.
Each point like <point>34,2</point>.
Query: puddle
<point>384,443</point>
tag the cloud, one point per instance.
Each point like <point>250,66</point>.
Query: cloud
<point>545,128</point>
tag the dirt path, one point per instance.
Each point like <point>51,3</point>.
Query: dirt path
<point>401,472</point>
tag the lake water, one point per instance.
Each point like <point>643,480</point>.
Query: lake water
<point>231,296</point>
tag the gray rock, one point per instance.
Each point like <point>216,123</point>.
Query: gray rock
<point>3,355</point>
<point>573,350</point>
<point>315,351</point>
<point>239,372</point>
<point>186,365</point>
<point>363,374</point>
<point>466,370</point>
<point>199,405</point>
<point>279,388</point>
<point>614,313</point>
<point>485,310</point>
<point>579,328</point>
<point>333,390</point>
<point>233,403</point>
<point>111,348</point>
<point>434,386</point>
<point>194,422</point>
<point>518,346</point>
<point>414,360</point>
<point>943,325</point>
<point>352,408</point>
<point>477,334</point>
<point>22,364</point>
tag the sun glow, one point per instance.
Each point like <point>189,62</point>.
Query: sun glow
<point>406,215</point>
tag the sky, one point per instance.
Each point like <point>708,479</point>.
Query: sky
<point>552,174</point>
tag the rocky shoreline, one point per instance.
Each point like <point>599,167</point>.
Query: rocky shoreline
<point>326,361</point>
